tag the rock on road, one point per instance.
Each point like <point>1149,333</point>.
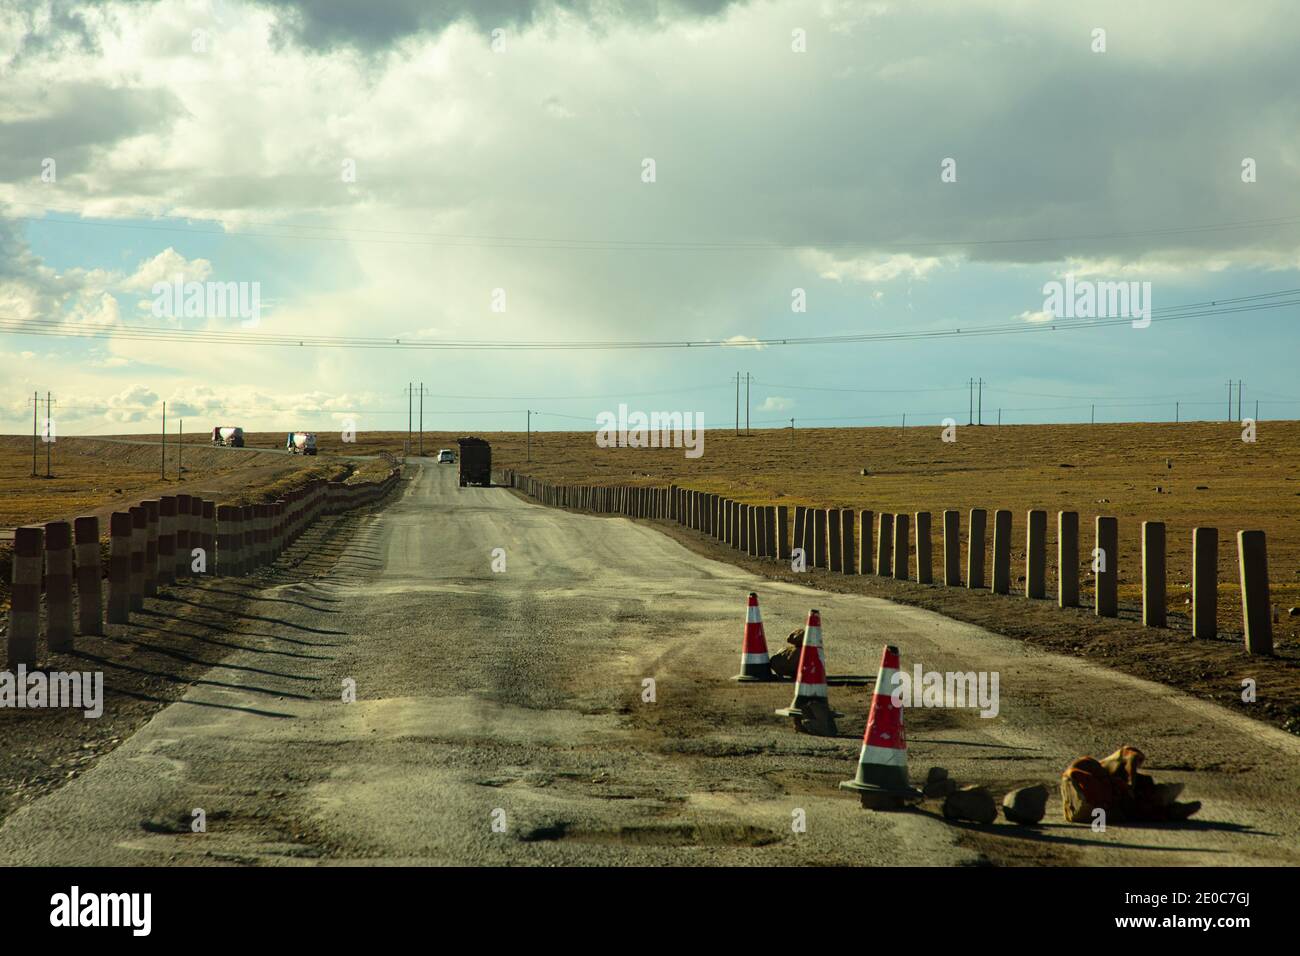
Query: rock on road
<point>499,718</point>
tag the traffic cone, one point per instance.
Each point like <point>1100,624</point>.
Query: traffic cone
<point>754,664</point>
<point>882,766</point>
<point>811,709</point>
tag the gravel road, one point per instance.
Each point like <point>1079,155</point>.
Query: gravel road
<point>501,718</point>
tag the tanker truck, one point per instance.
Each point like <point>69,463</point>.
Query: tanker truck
<point>230,436</point>
<point>300,443</point>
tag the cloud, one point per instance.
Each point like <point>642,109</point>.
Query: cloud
<point>133,404</point>
<point>164,267</point>
<point>520,169</point>
<point>744,342</point>
<point>878,268</point>
<point>775,403</point>
<point>379,25</point>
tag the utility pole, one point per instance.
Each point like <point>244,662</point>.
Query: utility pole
<point>410,392</point>
<point>1257,409</point>
<point>979,419</point>
<point>164,443</point>
<point>1177,409</point>
<point>737,403</point>
<point>792,433</point>
<point>904,421</point>
<point>1094,414</point>
<point>49,414</point>
<point>529,435</point>
<point>970,388</point>
<point>1229,399</point>
<point>180,449</point>
<point>421,419</point>
<point>36,407</point>
<point>1239,384</point>
<point>999,418</point>
<point>746,403</point>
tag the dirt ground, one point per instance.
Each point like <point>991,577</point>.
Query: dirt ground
<point>1188,475</point>
<point>150,663</point>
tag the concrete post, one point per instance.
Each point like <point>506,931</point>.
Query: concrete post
<point>975,548</point>
<point>151,547</point>
<point>90,598</point>
<point>278,540</point>
<point>1105,562</point>
<point>58,586</point>
<point>197,528</point>
<point>166,539</point>
<point>209,535</point>
<point>901,521</point>
<point>226,563</point>
<point>139,532</point>
<point>808,544</point>
<point>848,545</point>
<point>866,546</point>
<point>783,532</point>
<point>952,548</point>
<point>1036,555</point>
<point>1153,574</point>
<point>181,557</point>
<point>247,547</point>
<point>1002,551</point>
<point>742,535</point>
<point>262,528</point>
<point>119,568</point>
<point>755,530</point>
<point>1067,558</point>
<point>924,549</point>
<point>25,598</point>
<point>769,530</point>
<point>820,555</point>
<point>800,516</point>
<point>1205,582</point>
<point>834,548</point>
<point>885,546</point>
<point>1256,610</point>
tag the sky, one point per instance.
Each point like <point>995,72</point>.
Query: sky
<point>726,174</point>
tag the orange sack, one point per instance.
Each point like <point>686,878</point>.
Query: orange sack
<point>1115,786</point>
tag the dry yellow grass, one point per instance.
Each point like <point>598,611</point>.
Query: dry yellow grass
<point>1187,475</point>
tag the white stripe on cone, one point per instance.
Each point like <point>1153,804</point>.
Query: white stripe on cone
<point>883,756</point>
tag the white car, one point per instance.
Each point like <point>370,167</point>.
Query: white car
<point>446,457</point>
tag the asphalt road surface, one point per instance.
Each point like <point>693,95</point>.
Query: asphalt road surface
<point>502,717</point>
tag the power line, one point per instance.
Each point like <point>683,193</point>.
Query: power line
<point>12,325</point>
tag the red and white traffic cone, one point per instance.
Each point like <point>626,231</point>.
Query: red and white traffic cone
<point>754,664</point>
<point>881,780</point>
<point>811,709</point>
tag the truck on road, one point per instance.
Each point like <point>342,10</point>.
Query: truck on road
<point>231,436</point>
<point>300,443</point>
<point>475,462</point>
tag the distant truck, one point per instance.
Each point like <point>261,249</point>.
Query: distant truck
<point>475,462</point>
<point>229,435</point>
<point>300,443</point>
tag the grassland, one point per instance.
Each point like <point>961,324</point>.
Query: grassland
<point>1187,475</point>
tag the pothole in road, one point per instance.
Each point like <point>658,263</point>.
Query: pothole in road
<point>662,834</point>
